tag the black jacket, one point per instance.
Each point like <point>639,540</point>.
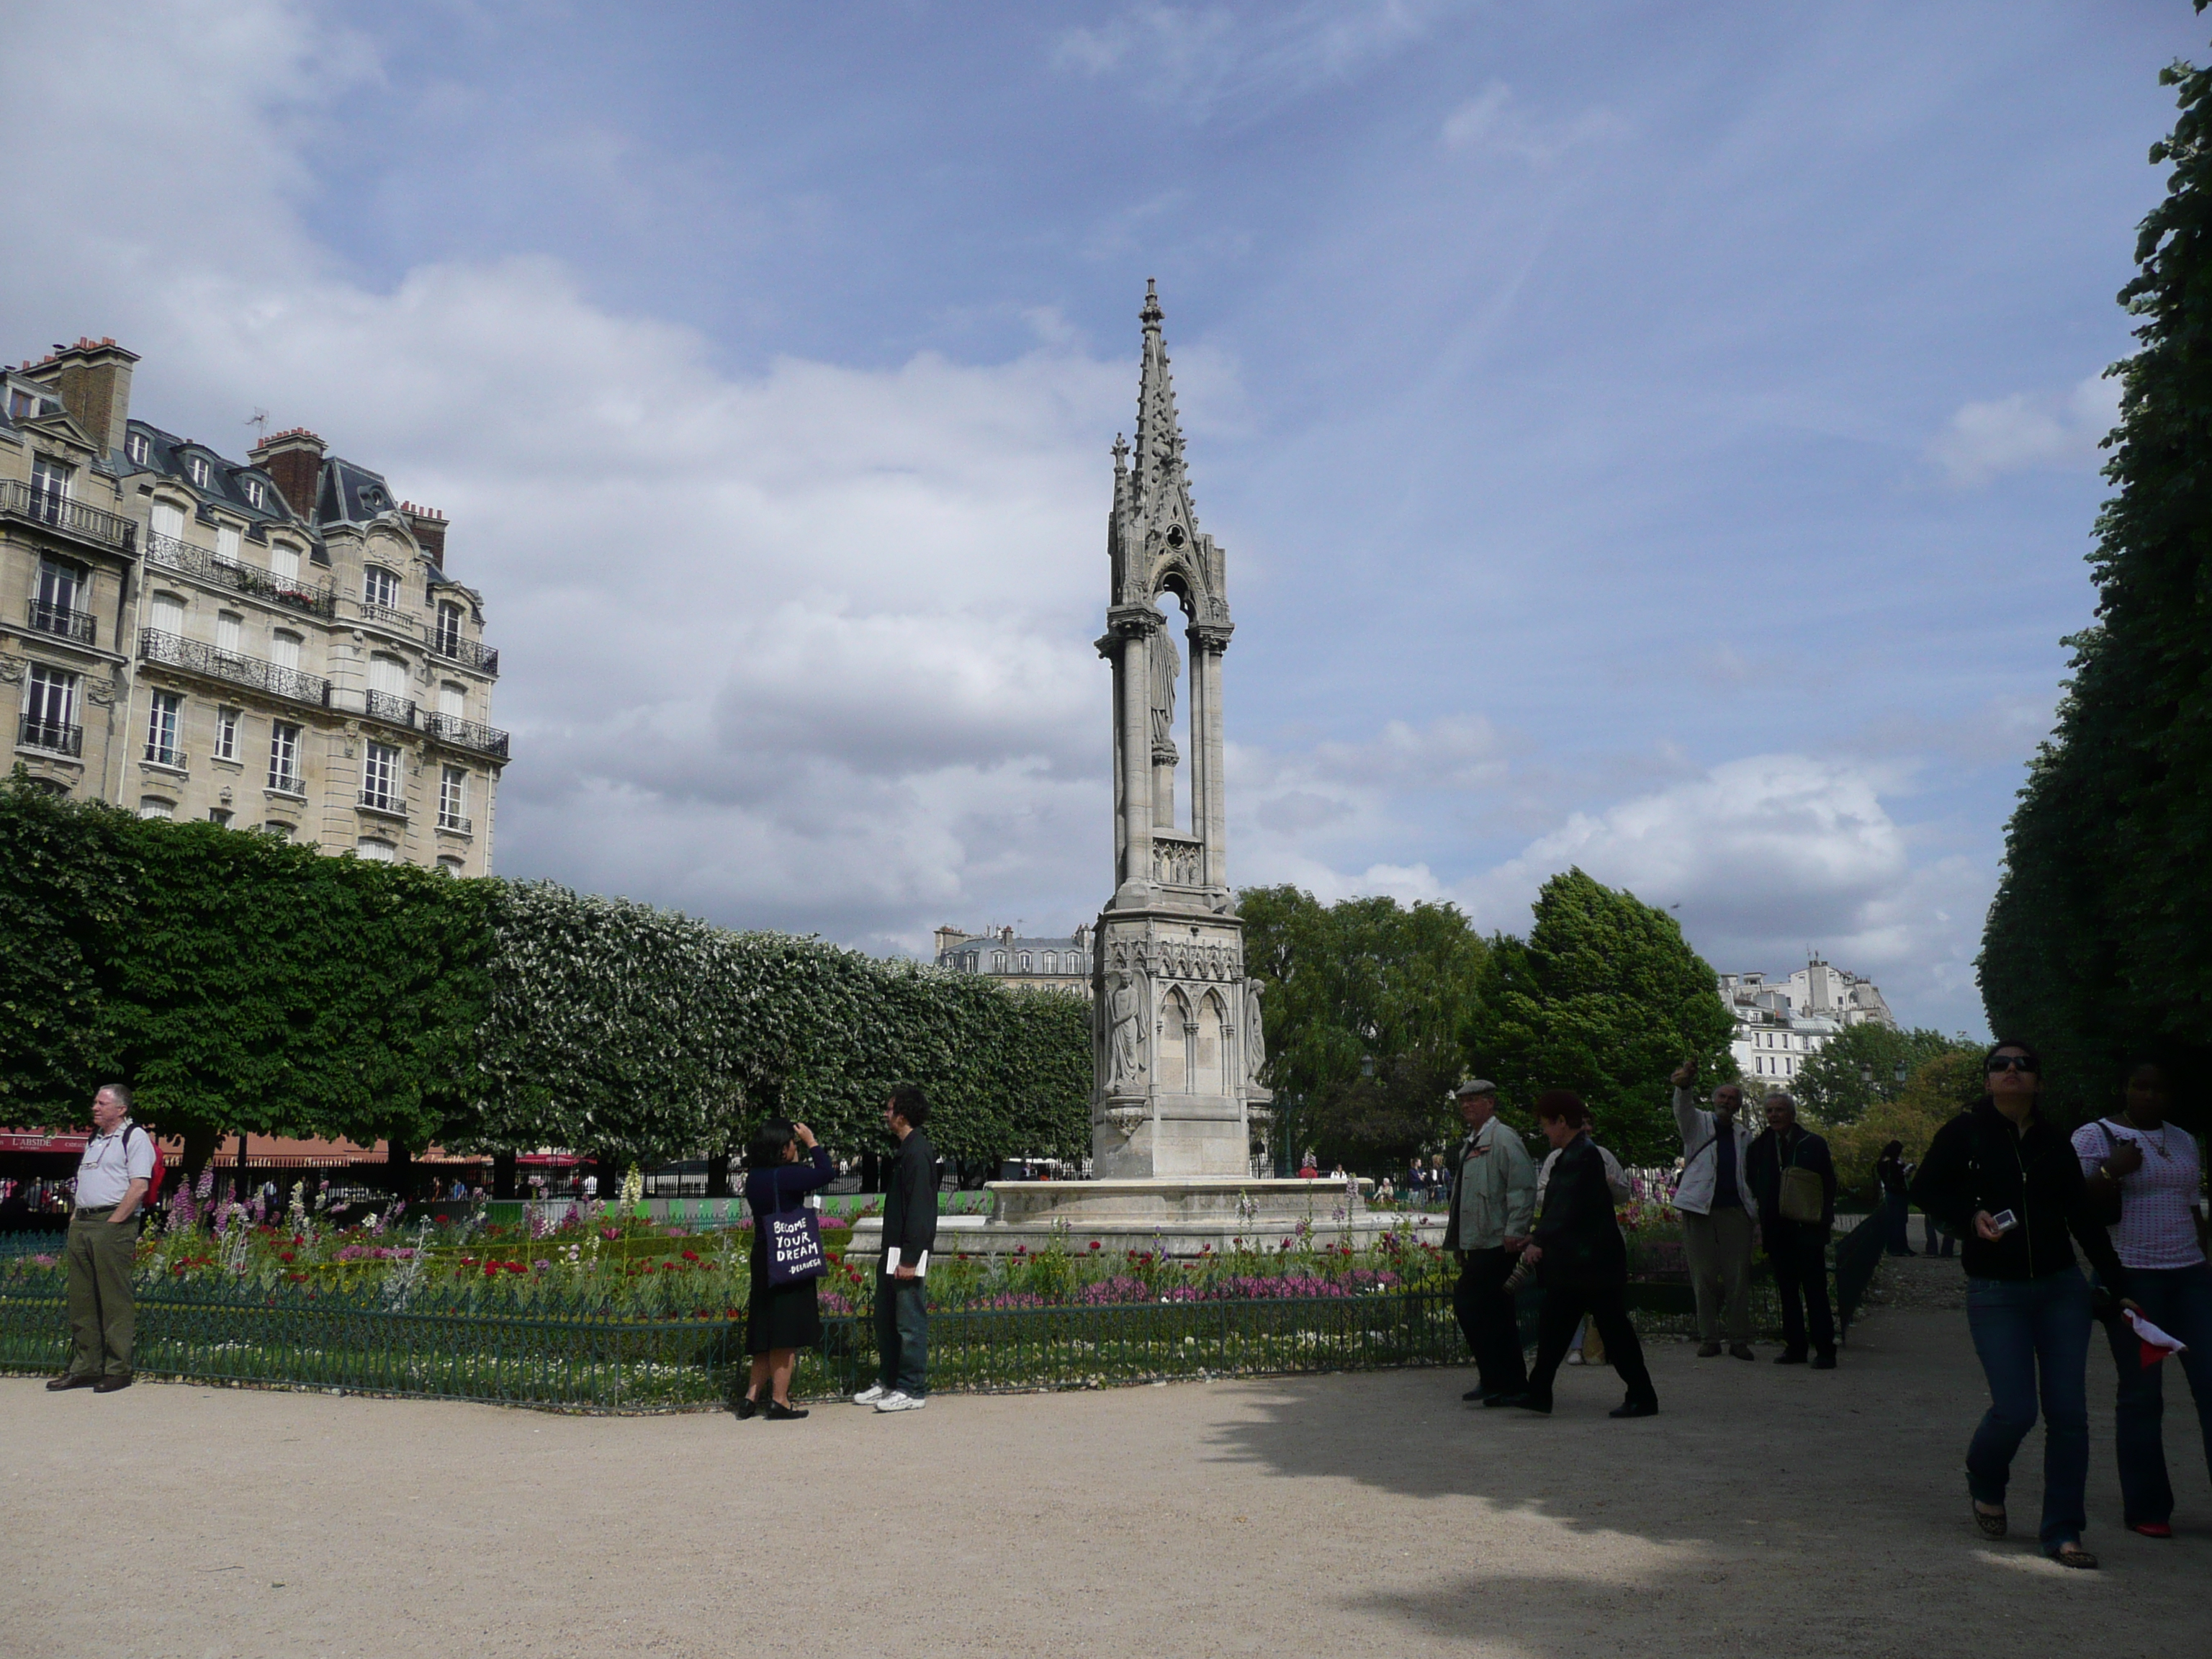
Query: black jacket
<point>910,1199</point>
<point>1579,1235</point>
<point>1763,1165</point>
<point>1977,1162</point>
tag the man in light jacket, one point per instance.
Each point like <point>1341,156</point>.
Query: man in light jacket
<point>1716,1218</point>
<point>1492,1207</point>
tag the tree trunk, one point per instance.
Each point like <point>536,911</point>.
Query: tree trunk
<point>399,1168</point>
<point>503,1175</point>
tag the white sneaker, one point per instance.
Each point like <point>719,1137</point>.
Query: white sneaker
<point>895,1401</point>
<point>1574,1356</point>
<point>869,1395</point>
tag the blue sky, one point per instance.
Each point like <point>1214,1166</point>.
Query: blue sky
<point>1660,437</point>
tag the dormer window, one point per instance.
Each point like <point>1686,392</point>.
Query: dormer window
<point>256,493</point>
<point>197,470</point>
<point>380,587</point>
<point>20,403</point>
<point>138,448</point>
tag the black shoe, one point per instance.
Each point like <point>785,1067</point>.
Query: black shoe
<point>1789,1357</point>
<point>1535,1402</point>
<point>776,1414</point>
<point>71,1380</point>
<point>747,1406</point>
<point>1825,1360</point>
<point>1635,1408</point>
<point>1474,1395</point>
<point>1740,1351</point>
<point>110,1384</point>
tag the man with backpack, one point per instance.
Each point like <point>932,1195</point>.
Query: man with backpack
<point>113,1178</point>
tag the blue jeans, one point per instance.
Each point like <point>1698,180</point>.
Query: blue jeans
<point>902,1334</point>
<point>2032,1335</point>
<point>2178,1301</point>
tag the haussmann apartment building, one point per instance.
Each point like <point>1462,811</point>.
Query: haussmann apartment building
<point>275,645</point>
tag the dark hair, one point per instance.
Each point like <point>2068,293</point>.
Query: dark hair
<point>909,1103</point>
<point>1894,1149</point>
<point>1564,1106</point>
<point>2034,1059</point>
<point>769,1141</point>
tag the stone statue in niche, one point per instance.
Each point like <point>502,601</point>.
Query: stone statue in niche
<point>1255,1039</point>
<point>1125,1037</point>
<point>1167,668</point>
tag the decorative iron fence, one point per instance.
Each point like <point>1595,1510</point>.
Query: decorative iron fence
<point>392,709</point>
<point>470,653</point>
<point>298,592</point>
<point>57,736</point>
<point>172,652</point>
<point>22,500</point>
<point>64,623</point>
<point>466,734</point>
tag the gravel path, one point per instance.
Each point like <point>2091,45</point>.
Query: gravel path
<point>1768,1512</point>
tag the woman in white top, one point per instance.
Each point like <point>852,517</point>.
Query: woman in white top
<point>2160,1242</point>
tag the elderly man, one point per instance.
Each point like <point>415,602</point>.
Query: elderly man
<point>1493,1204</point>
<point>1798,1249</point>
<point>1716,1220</point>
<point>111,1178</point>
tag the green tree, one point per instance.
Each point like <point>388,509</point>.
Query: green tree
<point>1834,1085</point>
<point>2095,943</point>
<point>1938,1090</point>
<point>1606,998</point>
<point>1366,1004</point>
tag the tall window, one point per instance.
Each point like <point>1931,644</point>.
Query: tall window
<point>168,521</point>
<point>379,586</point>
<point>284,563</point>
<point>168,612</point>
<point>376,851</point>
<point>60,606</point>
<point>452,700</point>
<point>379,778</point>
<point>388,675</point>
<point>50,710</point>
<point>449,628</point>
<point>52,482</point>
<point>228,541</point>
<point>153,806</point>
<point>196,468</point>
<point>229,633</point>
<point>284,757</point>
<point>137,448</point>
<point>162,719</point>
<point>284,650</point>
<point>454,798</point>
<point>256,492</point>
<point>1051,961</point>
<point>226,734</point>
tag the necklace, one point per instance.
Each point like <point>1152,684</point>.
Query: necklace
<point>2158,1146</point>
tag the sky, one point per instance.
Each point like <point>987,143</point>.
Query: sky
<point>1655,437</point>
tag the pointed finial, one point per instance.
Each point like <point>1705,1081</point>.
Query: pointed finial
<point>1150,315</point>
<point>1120,452</point>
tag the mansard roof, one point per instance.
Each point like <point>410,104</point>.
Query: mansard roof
<point>169,457</point>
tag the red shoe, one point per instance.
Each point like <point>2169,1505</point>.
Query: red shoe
<point>2152,1528</point>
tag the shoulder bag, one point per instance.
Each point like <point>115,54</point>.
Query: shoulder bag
<point>1804,1195</point>
<point>2104,1196</point>
<point>793,1244</point>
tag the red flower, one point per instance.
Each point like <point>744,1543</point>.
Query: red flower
<point>285,1255</point>
<point>491,1269</point>
<point>690,1255</point>
<point>1094,1243</point>
<point>516,1268</point>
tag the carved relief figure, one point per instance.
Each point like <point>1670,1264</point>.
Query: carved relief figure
<point>1167,667</point>
<point>1126,1035</point>
<point>1255,1040</point>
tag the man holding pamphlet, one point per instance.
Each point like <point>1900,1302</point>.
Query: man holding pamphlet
<point>909,1234</point>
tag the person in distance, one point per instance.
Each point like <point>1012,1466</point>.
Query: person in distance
<point>909,1234</point>
<point>1493,1202</point>
<point>1797,1249</point>
<point>779,1319</point>
<point>1716,1219</point>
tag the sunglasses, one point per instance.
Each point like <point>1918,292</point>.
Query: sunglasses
<point>2009,1063</point>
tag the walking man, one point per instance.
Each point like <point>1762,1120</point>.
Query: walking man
<point>1798,1248</point>
<point>111,1178</point>
<point>1493,1205</point>
<point>909,1234</point>
<point>1715,1224</point>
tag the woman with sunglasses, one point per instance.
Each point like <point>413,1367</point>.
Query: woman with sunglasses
<point>2008,1184</point>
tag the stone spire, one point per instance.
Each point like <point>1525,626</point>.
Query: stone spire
<point>1159,476</point>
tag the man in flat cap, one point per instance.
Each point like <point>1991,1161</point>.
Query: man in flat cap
<point>1493,1204</point>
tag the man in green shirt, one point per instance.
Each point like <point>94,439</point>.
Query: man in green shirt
<point>1493,1204</point>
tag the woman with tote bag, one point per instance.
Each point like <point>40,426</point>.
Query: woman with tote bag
<point>780,1318</point>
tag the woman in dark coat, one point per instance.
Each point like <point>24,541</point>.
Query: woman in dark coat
<point>781,1319</point>
<point>1582,1261</point>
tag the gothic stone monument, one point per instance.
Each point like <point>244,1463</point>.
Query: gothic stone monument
<point>1178,1040</point>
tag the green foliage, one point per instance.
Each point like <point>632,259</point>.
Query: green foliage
<point>1606,998</point>
<point>1937,1090</point>
<point>2095,943</point>
<point>1829,1086</point>
<point>1366,1004</point>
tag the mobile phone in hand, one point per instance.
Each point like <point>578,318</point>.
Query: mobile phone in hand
<point>2004,1221</point>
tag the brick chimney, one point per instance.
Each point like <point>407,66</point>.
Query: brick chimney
<point>428,526</point>
<point>294,460</point>
<point>92,377</point>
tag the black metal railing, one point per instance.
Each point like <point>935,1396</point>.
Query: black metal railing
<point>383,705</point>
<point>172,652</point>
<point>21,499</point>
<point>466,734</point>
<point>165,754</point>
<point>385,800</point>
<point>456,823</point>
<point>387,616</point>
<point>63,622</point>
<point>469,653</point>
<point>301,594</point>
<point>54,736</point>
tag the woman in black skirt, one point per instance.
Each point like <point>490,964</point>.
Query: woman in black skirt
<point>780,1320</point>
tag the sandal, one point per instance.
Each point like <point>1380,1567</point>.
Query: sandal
<point>2072,1555</point>
<point>1992,1524</point>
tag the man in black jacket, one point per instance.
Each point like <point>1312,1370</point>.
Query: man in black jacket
<point>1797,1249</point>
<point>909,1234</point>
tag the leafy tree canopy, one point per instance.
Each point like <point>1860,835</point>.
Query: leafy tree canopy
<point>1866,1063</point>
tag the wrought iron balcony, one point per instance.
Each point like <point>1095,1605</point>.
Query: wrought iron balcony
<point>20,499</point>
<point>387,616</point>
<point>466,734</point>
<point>297,592</point>
<point>456,823</point>
<point>171,651</point>
<point>469,653</point>
<point>385,800</point>
<point>394,711</point>
<point>55,737</point>
<point>159,754</point>
<point>63,622</point>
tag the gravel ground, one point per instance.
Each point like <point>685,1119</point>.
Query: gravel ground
<point>1770,1512</point>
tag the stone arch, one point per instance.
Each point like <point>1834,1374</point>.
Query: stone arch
<point>1175,1044</point>
<point>1209,1045</point>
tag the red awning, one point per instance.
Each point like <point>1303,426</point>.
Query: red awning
<point>38,1141</point>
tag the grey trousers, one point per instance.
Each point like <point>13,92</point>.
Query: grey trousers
<point>1719,1249</point>
<point>103,1319</point>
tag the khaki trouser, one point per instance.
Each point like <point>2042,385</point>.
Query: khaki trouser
<point>102,1318</point>
<point>1719,1249</point>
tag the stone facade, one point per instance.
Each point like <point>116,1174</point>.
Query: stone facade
<point>1779,1028</point>
<point>1052,963</point>
<point>1179,1046</point>
<point>275,645</point>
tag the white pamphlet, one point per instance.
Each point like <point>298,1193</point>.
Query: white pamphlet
<point>892,1262</point>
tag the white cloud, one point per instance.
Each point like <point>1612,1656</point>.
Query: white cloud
<point>1985,440</point>
<point>1493,121</point>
